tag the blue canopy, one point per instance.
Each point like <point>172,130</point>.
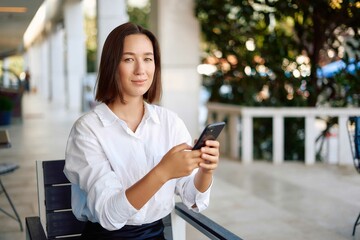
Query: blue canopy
<point>331,69</point>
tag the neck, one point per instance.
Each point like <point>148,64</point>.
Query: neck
<point>131,112</point>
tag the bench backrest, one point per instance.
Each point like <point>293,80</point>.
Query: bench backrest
<point>54,191</point>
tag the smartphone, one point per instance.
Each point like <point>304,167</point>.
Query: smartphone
<point>211,132</point>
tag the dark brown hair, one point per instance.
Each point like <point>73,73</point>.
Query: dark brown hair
<point>108,88</point>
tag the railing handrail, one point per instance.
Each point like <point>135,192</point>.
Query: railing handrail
<point>204,224</point>
<point>283,111</point>
<point>245,115</point>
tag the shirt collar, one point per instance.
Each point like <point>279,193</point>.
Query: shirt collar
<point>107,117</point>
<point>150,113</point>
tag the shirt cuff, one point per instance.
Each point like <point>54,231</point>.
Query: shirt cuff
<point>122,209</point>
<point>202,199</point>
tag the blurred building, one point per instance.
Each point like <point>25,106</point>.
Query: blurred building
<point>54,50</point>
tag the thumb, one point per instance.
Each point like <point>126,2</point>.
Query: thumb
<point>181,147</point>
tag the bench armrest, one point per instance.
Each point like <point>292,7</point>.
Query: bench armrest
<point>34,229</point>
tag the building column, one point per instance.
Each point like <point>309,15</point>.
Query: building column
<point>57,69</point>
<point>178,32</point>
<point>75,53</point>
<point>6,80</point>
<point>43,69</point>
<point>110,14</point>
<point>31,56</point>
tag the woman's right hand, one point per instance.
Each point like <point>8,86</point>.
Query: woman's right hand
<point>179,161</point>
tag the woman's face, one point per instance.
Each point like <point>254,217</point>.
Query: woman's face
<point>137,66</point>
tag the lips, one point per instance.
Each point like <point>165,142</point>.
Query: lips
<point>138,81</point>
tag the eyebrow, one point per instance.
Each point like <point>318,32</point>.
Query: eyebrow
<point>131,53</point>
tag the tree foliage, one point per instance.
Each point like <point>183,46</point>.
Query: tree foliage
<point>269,52</point>
<point>291,39</point>
<point>139,15</point>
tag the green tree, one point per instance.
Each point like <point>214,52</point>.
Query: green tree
<point>267,53</point>
<point>139,15</point>
<point>291,38</point>
<point>91,42</point>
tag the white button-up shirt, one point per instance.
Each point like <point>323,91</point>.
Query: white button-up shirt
<point>104,158</point>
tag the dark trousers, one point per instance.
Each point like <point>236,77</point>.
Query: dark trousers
<point>151,231</point>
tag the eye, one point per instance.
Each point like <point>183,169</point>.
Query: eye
<point>128,60</point>
<point>148,59</point>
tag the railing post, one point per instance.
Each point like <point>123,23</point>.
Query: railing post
<point>178,226</point>
<point>223,138</point>
<point>278,139</point>
<point>310,138</point>
<point>234,136</point>
<point>344,150</point>
<point>247,139</point>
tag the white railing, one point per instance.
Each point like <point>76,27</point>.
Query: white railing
<point>240,129</point>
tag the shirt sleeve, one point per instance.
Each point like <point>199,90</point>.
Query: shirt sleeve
<point>190,196</point>
<point>87,166</point>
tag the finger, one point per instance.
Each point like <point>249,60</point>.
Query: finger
<point>210,159</point>
<point>208,166</point>
<point>210,151</point>
<point>212,143</point>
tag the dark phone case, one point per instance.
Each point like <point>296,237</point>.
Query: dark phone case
<point>211,132</point>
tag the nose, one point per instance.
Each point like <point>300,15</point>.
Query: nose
<point>139,69</point>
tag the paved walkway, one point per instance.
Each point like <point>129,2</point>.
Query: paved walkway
<point>257,201</point>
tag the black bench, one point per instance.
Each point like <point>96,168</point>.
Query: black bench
<point>6,168</point>
<point>355,150</point>
<point>56,220</point>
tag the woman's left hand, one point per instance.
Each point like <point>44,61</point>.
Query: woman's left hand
<point>210,154</point>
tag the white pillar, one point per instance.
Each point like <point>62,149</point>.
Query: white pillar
<point>178,32</point>
<point>31,53</point>
<point>110,14</point>
<point>6,74</point>
<point>75,53</point>
<point>43,69</point>
<point>34,66</point>
<point>57,69</point>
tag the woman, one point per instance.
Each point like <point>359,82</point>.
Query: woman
<point>127,158</point>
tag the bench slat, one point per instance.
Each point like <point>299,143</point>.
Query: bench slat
<point>53,172</point>
<point>58,197</point>
<point>63,223</point>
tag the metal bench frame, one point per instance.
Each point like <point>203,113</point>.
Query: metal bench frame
<point>355,151</point>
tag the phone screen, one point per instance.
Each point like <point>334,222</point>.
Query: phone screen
<point>211,132</point>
